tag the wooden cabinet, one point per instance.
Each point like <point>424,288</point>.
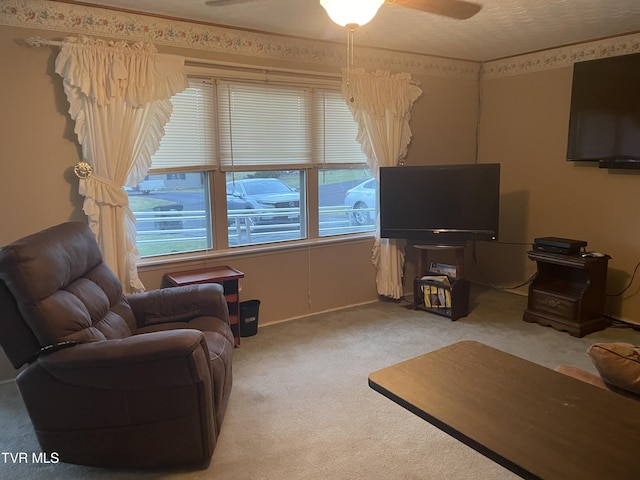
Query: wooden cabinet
<point>227,277</point>
<point>568,292</point>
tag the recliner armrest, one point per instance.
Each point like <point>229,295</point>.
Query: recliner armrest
<point>150,360</point>
<point>179,304</point>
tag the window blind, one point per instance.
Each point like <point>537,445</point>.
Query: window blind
<point>335,132</point>
<point>264,126</point>
<point>189,139</point>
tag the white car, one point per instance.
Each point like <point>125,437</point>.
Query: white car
<point>361,199</point>
<point>272,199</point>
<point>147,186</point>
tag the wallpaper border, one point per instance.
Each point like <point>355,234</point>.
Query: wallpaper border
<point>562,56</point>
<point>89,20</point>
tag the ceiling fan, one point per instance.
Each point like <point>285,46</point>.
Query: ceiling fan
<point>354,13</point>
<point>457,9</point>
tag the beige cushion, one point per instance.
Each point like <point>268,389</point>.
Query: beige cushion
<point>618,364</point>
<point>583,375</point>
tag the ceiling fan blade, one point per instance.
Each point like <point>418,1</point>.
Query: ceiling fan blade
<point>458,9</point>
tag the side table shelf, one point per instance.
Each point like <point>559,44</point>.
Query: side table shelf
<point>226,276</point>
<point>568,292</point>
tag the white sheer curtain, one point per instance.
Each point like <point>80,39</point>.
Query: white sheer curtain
<point>381,105</point>
<point>119,95</point>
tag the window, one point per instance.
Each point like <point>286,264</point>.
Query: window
<point>172,215</point>
<point>265,206</point>
<point>265,146</point>
<point>347,201</point>
<point>270,145</point>
<point>171,204</point>
<point>347,193</point>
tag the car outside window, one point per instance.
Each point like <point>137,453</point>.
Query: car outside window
<point>265,207</point>
<point>347,201</point>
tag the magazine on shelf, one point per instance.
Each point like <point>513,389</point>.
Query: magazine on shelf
<point>436,296</point>
<point>443,269</point>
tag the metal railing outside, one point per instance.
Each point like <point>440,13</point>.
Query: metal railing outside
<point>245,226</point>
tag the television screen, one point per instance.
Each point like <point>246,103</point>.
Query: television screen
<point>440,204</point>
<point>604,123</point>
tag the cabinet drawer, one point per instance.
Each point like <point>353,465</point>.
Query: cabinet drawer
<point>555,304</point>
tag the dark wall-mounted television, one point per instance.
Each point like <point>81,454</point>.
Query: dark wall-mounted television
<point>604,124</point>
<point>440,204</point>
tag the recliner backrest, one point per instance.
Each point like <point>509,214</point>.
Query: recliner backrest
<point>62,290</point>
<point>17,340</point>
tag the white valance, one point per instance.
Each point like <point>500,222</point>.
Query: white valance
<point>103,70</point>
<point>389,98</point>
<point>381,91</point>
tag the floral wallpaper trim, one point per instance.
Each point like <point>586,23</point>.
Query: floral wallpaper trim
<point>562,57</point>
<point>79,19</point>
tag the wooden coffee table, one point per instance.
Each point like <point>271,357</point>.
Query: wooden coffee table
<point>532,420</point>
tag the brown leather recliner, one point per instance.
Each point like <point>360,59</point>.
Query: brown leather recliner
<point>112,380</point>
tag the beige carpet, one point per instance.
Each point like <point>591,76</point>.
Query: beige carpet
<point>301,407</point>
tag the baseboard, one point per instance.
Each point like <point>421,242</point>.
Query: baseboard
<point>329,310</point>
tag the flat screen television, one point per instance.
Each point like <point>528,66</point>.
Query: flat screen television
<point>440,204</point>
<point>604,123</point>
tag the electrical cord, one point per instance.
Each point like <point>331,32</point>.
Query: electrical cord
<point>525,244</point>
<point>616,322</point>
<point>633,276</point>
<point>501,287</point>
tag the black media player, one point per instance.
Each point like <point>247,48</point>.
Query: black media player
<point>562,246</point>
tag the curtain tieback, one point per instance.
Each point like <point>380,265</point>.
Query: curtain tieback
<point>103,190</point>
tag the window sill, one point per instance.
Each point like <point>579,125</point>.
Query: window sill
<point>251,250</point>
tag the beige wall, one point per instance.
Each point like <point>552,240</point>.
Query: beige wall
<point>38,146</point>
<point>38,188</point>
<point>524,127</point>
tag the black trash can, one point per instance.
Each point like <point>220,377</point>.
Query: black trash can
<point>249,317</point>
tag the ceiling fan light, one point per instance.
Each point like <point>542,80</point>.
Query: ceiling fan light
<point>351,12</point>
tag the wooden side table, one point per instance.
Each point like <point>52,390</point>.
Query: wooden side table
<point>227,277</point>
<point>568,292</point>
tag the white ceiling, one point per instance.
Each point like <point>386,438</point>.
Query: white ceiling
<point>503,28</point>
